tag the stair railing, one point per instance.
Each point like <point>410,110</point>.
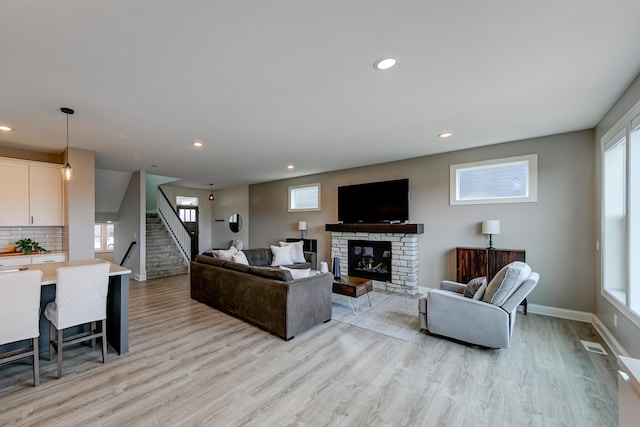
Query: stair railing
<point>174,224</point>
<point>126,255</point>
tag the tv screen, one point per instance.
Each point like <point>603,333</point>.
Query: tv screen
<point>374,202</point>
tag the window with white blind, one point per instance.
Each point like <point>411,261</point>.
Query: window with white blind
<point>508,180</point>
<point>304,198</point>
<point>621,214</point>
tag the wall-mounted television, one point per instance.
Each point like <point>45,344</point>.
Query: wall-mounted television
<point>374,202</point>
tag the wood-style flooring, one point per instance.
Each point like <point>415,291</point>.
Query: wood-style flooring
<point>192,365</point>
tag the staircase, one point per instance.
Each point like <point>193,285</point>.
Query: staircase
<point>163,256</point>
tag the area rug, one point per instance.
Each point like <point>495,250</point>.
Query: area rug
<point>391,314</point>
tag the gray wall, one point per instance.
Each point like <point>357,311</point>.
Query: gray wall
<point>557,232</point>
<point>626,333</point>
<point>227,202</point>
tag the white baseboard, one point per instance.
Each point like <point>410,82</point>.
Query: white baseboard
<point>608,337</point>
<point>140,277</point>
<point>562,313</point>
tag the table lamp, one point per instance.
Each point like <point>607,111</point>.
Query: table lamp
<point>491,227</point>
<point>302,227</point>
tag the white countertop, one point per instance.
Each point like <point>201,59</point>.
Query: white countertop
<point>49,273</point>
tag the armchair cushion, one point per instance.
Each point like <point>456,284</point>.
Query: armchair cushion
<point>505,282</point>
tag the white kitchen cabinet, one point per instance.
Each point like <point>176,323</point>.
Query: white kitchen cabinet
<point>14,193</point>
<point>12,261</point>
<point>45,195</point>
<point>46,258</point>
<point>31,193</point>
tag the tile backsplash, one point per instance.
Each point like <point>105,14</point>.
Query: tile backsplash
<point>50,238</point>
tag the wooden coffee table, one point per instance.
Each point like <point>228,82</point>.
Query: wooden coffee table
<point>353,287</point>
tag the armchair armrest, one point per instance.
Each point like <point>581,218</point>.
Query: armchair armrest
<point>448,285</point>
<point>452,315</point>
<point>312,257</point>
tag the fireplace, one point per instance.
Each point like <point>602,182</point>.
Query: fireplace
<point>370,259</point>
<point>404,251</point>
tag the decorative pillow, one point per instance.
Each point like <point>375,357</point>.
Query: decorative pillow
<point>236,244</point>
<point>297,250</point>
<point>480,293</point>
<point>225,255</point>
<point>240,258</point>
<point>474,286</point>
<point>297,273</point>
<point>506,282</point>
<point>281,255</point>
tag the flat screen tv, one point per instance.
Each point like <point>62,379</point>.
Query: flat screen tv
<point>374,202</point>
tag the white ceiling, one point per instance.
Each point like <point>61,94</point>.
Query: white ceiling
<point>267,83</point>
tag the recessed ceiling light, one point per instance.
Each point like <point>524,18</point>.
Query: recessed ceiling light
<point>444,135</point>
<point>5,128</point>
<point>197,144</point>
<point>384,63</point>
<point>290,167</point>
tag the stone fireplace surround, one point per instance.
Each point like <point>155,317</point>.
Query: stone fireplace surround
<point>404,250</point>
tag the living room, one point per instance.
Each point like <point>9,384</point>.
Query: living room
<point>560,232</point>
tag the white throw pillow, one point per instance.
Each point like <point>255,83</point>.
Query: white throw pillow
<point>297,250</point>
<point>225,255</point>
<point>281,255</point>
<point>240,258</point>
<point>297,273</point>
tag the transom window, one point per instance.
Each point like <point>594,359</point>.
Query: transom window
<point>304,198</point>
<point>508,180</point>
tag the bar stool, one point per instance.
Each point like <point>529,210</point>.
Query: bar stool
<point>20,315</point>
<point>81,297</point>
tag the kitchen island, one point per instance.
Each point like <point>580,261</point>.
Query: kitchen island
<point>117,303</point>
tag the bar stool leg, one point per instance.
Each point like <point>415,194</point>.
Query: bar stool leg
<point>59,349</point>
<point>104,341</point>
<point>52,336</point>
<point>36,363</point>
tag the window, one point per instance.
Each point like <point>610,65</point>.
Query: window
<point>304,198</point>
<point>621,215</point>
<point>187,214</point>
<point>186,201</point>
<point>510,180</point>
<point>103,237</point>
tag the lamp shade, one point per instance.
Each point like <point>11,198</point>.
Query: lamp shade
<point>302,225</point>
<point>491,226</point>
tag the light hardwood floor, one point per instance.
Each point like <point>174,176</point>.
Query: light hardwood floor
<point>192,365</point>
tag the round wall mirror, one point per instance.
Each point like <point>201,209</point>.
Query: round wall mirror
<point>235,222</point>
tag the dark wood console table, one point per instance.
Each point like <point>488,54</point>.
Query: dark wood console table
<point>476,262</point>
<point>308,245</point>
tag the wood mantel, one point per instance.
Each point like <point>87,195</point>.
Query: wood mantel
<point>377,228</point>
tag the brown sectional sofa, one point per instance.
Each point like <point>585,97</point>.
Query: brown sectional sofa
<point>265,296</point>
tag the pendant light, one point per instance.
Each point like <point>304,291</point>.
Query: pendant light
<point>211,194</point>
<point>66,170</point>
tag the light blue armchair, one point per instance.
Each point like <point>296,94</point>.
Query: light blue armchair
<point>488,322</point>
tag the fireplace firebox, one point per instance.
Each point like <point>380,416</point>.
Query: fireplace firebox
<point>370,259</point>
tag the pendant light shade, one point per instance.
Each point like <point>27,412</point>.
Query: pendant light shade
<point>67,172</point>
<point>211,194</point>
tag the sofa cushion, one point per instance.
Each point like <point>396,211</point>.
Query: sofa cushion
<point>297,250</point>
<point>272,273</point>
<point>297,273</point>
<point>506,282</point>
<point>207,258</point>
<point>281,255</point>
<point>258,256</point>
<point>473,286</point>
